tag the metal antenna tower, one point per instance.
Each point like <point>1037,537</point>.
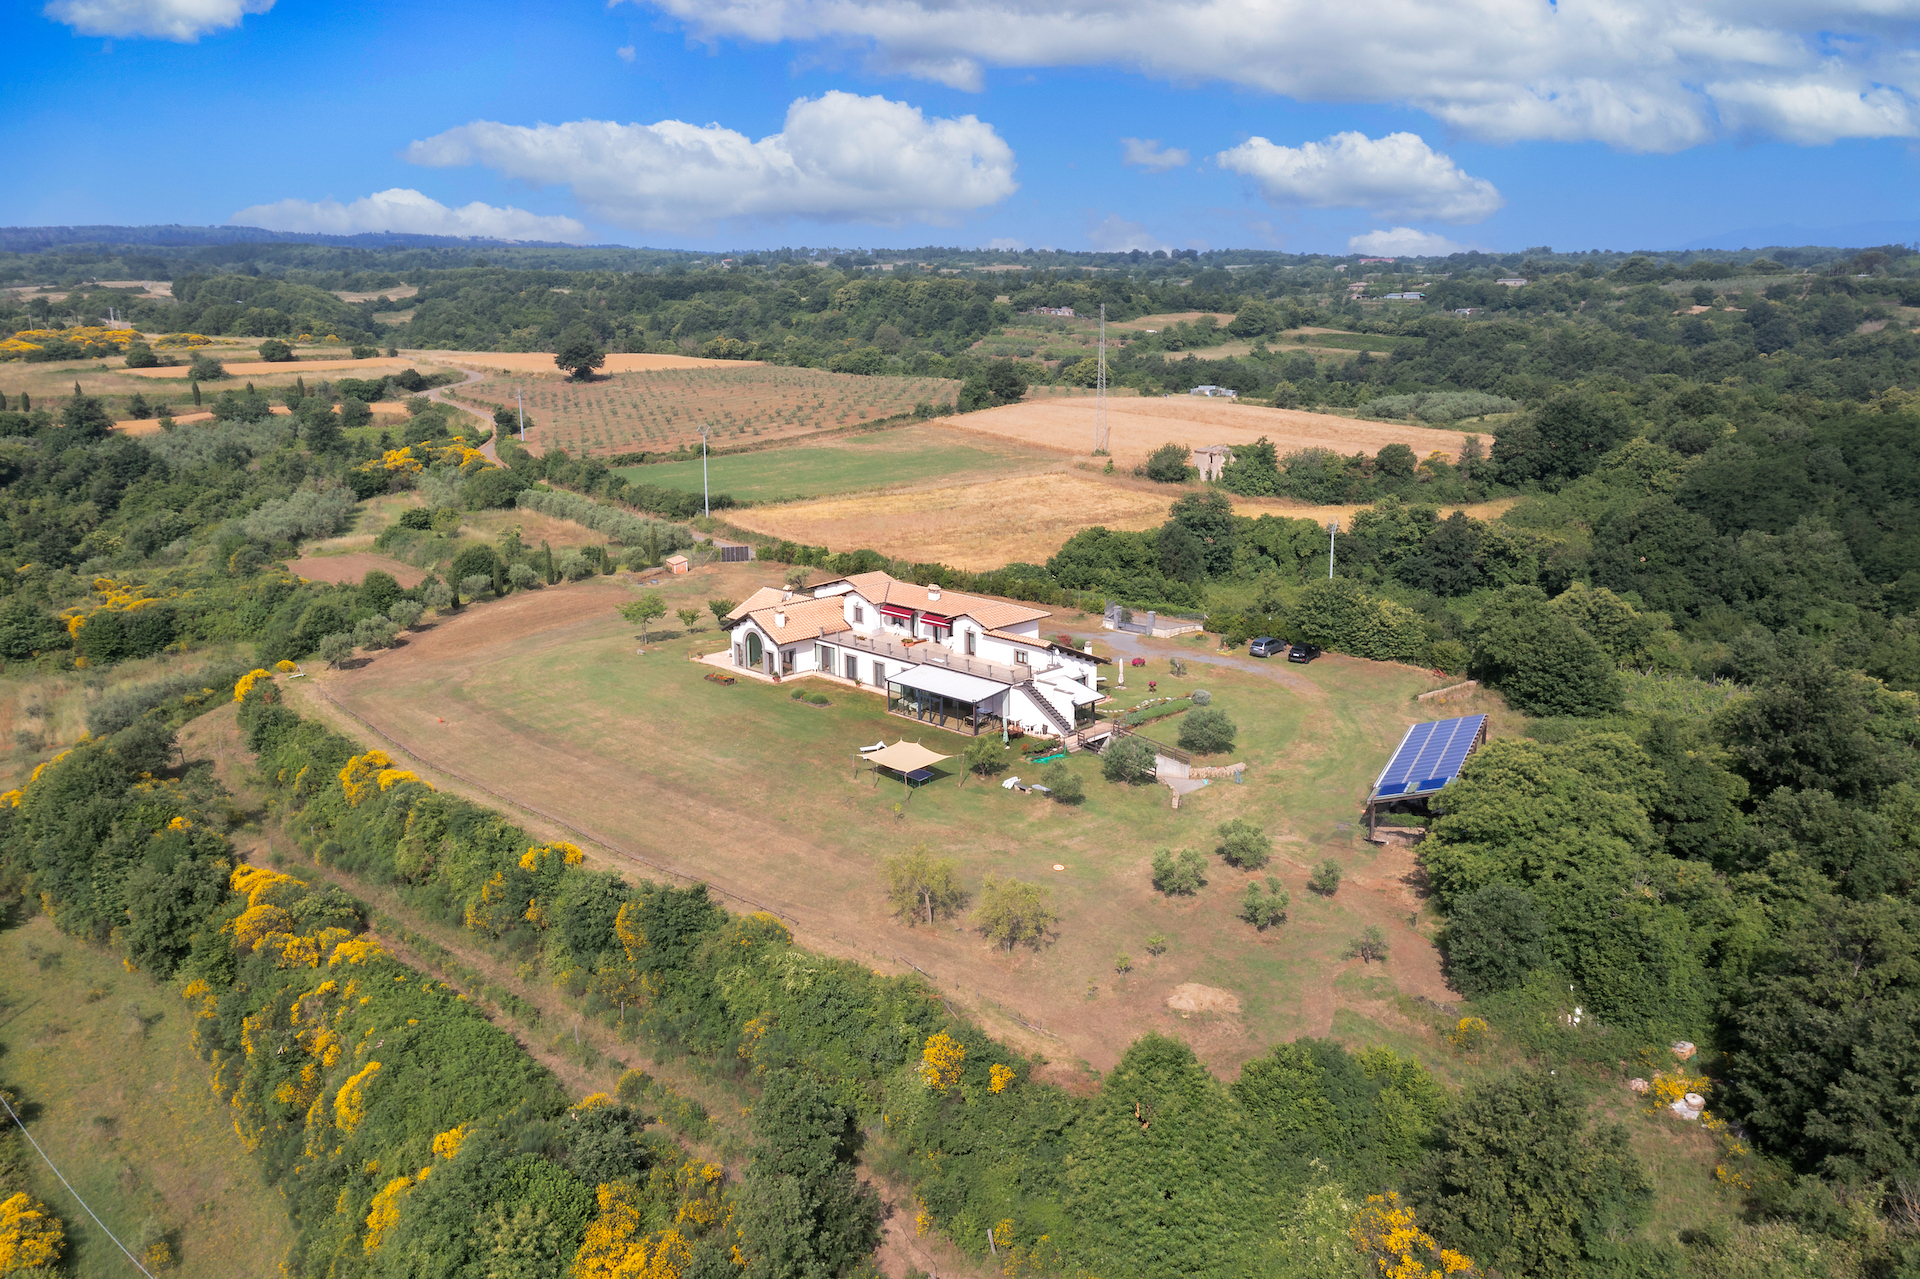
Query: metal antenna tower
<point>1100,402</point>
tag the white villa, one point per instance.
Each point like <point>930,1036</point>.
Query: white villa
<point>961,662</point>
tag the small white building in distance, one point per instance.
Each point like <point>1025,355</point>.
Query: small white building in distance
<point>1515,283</point>
<point>964,663</point>
<point>1210,389</point>
<point>1211,460</point>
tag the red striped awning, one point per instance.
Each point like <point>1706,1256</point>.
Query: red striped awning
<point>897,610</point>
<point>934,619</point>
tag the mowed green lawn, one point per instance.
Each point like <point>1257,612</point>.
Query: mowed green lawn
<point>862,462</point>
<point>761,795</point>
<point>127,1115</point>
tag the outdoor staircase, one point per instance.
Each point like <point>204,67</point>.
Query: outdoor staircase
<point>1039,698</point>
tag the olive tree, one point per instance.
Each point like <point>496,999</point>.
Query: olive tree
<point>918,883</point>
<point>335,648</point>
<point>1206,730</point>
<point>1013,913</point>
<point>1128,760</point>
<point>1244,844</point>
<point>1265,907</point>
<point>1179,874</point>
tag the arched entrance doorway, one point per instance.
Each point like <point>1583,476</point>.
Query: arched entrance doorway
<point>753,649</point>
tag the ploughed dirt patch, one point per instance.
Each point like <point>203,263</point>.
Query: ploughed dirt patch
<point>352,567</point>
<point>1190,997</point>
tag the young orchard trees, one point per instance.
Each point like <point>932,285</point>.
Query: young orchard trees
<point>1179,874</point>
<point>1265,907</point>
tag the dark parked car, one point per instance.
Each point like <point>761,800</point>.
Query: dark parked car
<point>1264,646</point>
<point>1302,653</point>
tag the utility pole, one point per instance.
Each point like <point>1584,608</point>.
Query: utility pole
<point>1333,526</point>
<point>1100,383</point>
<point>521,396</point>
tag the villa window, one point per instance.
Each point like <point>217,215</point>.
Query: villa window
<point>859,615</point>
<point>971,637</point>
<point>1020,656</point>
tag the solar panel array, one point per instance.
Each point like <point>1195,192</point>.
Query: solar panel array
<point>1429,757</point>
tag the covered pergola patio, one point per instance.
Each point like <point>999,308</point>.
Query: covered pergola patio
<point>949,699</point>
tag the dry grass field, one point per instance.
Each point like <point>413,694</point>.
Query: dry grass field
<point>667,407</point>
<point>1138,426</point>
<point>120,1102</point>
<point>1167,321</point>
<point>1022,519</point>
<point>548,699</point>
<point>971,526</point>
<point>289,368</point>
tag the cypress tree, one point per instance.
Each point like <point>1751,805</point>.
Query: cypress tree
<point>196,392</point>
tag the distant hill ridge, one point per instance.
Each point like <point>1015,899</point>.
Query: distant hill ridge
<point>34,239</point>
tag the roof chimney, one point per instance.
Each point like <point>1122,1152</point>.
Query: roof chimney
<point>779,619</point>
<point>933,591</point>
<point>787,594</point>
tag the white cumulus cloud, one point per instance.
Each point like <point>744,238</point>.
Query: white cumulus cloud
<point>627,53</point>
<point>183,20</point>
<point>840,158</point>
<point>404,210</point>
<point>1148,154</point>
<point>1114,234</point>
<point>1398,176</point>
<point>1404,242</point>
<point>1640,75</point>
<point>1006,244</point>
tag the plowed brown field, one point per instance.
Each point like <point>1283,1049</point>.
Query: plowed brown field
<point>1136,427</point>
<point>353,567</point>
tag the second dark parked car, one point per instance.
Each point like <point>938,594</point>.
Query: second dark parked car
<point>1302,653</point>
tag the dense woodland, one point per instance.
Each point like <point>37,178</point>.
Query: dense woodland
<point>1703,598</point>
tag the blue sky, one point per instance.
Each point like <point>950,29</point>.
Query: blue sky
<point>1379,124</point>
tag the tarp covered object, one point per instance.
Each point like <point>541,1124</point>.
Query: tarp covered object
<point>904,757</point>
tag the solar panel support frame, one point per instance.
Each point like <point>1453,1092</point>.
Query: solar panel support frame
<point>1383,793</point>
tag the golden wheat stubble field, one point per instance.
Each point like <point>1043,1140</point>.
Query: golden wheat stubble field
<point>662,408</point>
<point>1019,520</point>
<point>1137,426</point>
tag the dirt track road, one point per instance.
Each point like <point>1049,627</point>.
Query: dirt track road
<point>437,396</point>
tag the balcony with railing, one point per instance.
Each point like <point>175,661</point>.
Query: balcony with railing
<point>929,653</point>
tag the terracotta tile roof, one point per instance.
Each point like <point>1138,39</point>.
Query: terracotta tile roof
<point>883,588</point>
<point>806,619</point>
<point>994,614</point>
<point>765,597</point>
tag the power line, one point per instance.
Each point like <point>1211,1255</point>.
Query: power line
<point>70,1190</point>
